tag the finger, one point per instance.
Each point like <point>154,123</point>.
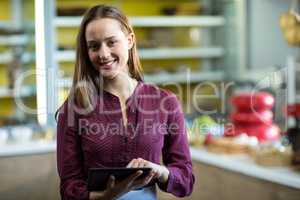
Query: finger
<point>140,162</point>
<point>136,163</point>
<point>128,182</point>
<point>111,182</point>
<point>149,178</point>
<point>144,181</point>
<point>133,176</point>
<point>156,175</point>
<point>137,174</point>
<point>129,165</point>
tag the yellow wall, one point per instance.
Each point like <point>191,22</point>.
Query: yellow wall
<point>5,9</point>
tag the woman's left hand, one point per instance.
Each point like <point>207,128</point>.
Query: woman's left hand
<point>161,172</point>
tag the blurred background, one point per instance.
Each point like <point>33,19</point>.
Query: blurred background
<point>233,64</point>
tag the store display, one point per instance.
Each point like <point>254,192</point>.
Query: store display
<point>173,37</point>
<point>290,25</point>
<point>272,154</point>
<point>263,132</point>
<point>293,133</point>
<point>199,127</point>
<point>253,101</point>
<point>258,117</point>
<point>15,66</point>
<point>21,134</point>
<point>241,144</point>
<point>253,116</point>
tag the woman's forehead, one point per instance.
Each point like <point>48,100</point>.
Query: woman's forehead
<point>103,27</point>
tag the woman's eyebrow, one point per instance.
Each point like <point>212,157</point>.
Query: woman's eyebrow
<point>95,40</point>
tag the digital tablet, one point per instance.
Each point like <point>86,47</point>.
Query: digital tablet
<point>98,177</point>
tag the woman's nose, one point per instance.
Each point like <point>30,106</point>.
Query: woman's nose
<point>103,52</point>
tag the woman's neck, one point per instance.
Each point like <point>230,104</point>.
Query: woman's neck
<point>121,86</point>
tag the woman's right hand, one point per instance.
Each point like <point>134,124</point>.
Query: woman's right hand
<point>116,189</point>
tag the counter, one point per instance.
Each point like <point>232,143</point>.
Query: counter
<point>245,165</point>
<point>217,176</point>
<point>29,148</point>
<point>236,163</point>
<point>233,177</point>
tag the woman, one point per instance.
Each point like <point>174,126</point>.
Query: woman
<point>113,119</point>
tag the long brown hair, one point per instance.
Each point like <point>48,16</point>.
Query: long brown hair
<point>86,78</point>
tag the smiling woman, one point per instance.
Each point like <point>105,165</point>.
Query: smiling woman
<point>105,120</point>
<point>108,47</point>
<point>105,41</point>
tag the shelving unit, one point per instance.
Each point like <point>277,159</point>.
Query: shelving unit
<point>5,25</point>
<point>26,91</point>
<point>159,53</point>
<point>206,52</point>
<point>16,38</point>
<point>211,59</point>
<point>7,57</point>
<point>168,78</point>
<point>206,56</point>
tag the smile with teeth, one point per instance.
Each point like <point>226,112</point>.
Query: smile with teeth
<point>107,64</point>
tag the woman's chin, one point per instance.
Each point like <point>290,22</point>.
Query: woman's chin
<point>109,75</point>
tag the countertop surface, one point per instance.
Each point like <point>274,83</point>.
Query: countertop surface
<point>245,165</point>
<point>29,148</point>
<point>237,163</point>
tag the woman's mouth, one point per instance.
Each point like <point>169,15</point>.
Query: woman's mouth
<point>107,64</point>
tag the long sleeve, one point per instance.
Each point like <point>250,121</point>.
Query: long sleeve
<point>176,154</point>
<point>73,184</point>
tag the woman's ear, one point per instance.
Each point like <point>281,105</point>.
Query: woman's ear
<point>131,40</point>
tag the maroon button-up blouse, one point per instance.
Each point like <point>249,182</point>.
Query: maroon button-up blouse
<point>155,128</point>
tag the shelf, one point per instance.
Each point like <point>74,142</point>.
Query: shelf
<point>154,21</point>
<point>8,25</point>
<point>167,78</point>
<point>176,21</point>
<point>263,77</point>
<point>184,77</point>
<point>7,57</point>
<point>26,91</point>
<point>30,148</point>
<point>14,40</point>
<point>5,25</point>
<point>159,53</point>
<point>171,53</point>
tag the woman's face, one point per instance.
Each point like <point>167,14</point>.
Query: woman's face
<point>108,46</point>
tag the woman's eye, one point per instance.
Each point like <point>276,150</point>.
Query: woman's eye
<point>93,47</point>
<point>111,43</point>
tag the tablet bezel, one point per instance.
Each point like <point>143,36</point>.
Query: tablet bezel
<point>98,177</point>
